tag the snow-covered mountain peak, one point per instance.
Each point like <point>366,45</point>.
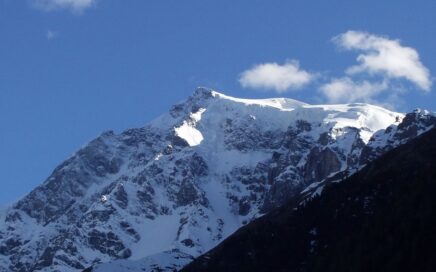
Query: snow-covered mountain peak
<point>284,104</point>
<point>203,93</point>
<point>423,112</point>
<point>369,118</point>
<point>278,111</point>
<point>208,111</point>
<point>188,179</point>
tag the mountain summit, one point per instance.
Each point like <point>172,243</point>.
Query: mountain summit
<point>160,195</point>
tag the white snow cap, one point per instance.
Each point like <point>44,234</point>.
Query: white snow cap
<point>278,113</point>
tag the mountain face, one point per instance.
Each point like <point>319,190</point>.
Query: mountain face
<point>158,196</point>
<point>380,219</point>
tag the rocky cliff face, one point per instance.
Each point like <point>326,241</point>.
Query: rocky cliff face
<point>412,125</point>
<point>158,195</point>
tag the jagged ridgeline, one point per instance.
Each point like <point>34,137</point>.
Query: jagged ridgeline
<point>160,195</point>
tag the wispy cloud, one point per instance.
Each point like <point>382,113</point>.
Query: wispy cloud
<point>76,6</point>
<point>276,77</point>
<point>346,90</point>
<point>386,57</point>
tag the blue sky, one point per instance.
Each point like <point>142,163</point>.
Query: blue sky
<point>70,69</point>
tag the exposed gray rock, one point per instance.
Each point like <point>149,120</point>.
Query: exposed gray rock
<point>96,205</point>
<point>320,164</point>
<point>106,243</point>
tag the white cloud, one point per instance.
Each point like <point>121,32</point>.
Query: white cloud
<point>386,57</point>
<point>382,66</point>
<point>279,78</point>
<point>76,6</point>
<point>345,90</point>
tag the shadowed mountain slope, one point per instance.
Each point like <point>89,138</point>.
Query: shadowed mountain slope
<point>380,219</point>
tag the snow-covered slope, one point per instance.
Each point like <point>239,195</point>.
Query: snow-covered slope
<point>412,125</point>
<point>171,260</point>
<point>159,195</point>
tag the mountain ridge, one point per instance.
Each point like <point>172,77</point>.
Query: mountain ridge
<point>196,174</point>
